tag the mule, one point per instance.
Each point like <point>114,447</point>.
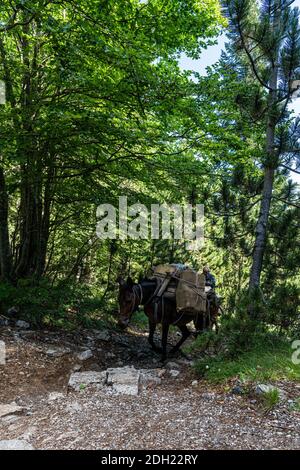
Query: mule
<point>132,295</point>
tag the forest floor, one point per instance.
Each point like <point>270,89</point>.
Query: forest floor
<point>178,413</point>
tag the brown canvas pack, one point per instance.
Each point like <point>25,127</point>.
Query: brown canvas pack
<point>190,292</point>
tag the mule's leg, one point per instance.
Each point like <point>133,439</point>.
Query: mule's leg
<point>185,334</point>
<point>152,328</point>
<point>164,341</point>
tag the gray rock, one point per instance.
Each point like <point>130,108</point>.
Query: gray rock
<point>150,377</point>
<point>84,355</point>
<point>237,390</point>
<point>208,396</point>
<point>79,380</point>
<point>194,383</point>
<point>15,444</point>
<point>22,324</point>
<point>10,409</point>
<point>174,373</point>
<point>124,380</point>
<point>172,365</point>
<point>76,368</point>
<point>55,396</point>
<point>103,335</point>
<point>55,351</point>
<point>110,355</point>
<point>4,321</point>
<point>9,419</point>
<point>75,406</point>
<point>261,389</point>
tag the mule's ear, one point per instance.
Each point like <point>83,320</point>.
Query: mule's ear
<point>129,282</point>
<point>121,281</point>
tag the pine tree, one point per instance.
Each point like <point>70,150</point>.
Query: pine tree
<point>265,43</point>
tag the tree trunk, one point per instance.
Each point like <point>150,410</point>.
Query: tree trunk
<point>261,230</point>
<point>271,163</point>
<point>5,254</point>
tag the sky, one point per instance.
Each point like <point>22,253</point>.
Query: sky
<point>211,55</point>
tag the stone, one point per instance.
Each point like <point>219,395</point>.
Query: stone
<point>103,335</point>
<point>84,355</point>
<point>208,396</point>
<point>55,351</point>
<point>174,373</point>
<point>194,383</point>
<point>237,390</point>
<point>9,419</point>
<point>110,355</point>
<point>172,365</point>
<point>23,324</point>
<point>55,396</point>
<point>261,389</point>
<point>76,368</point>
<point>124,380</point>
<point>75,406</point>
<point>150,377</point>
<point>4,321</point>
<point>10,409</point>
<point>79,380</point>
<point>15,444</point>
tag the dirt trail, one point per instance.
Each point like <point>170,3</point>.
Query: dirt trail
<point>177,414</point>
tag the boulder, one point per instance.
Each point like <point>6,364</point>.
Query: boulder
<point>79,380</point>
<point>15,444</point>
<point>124,380</point>
<point>150,377</point>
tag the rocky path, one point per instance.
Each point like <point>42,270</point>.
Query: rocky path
<point>76,391</point>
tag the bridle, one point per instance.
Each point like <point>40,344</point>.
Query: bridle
<point>137,297</point>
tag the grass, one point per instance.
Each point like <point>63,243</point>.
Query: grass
<point>140,319</point>
<point>264,361</point>
<point>271,398</point>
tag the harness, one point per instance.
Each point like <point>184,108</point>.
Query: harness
<point>137,296</point>
<point>159,297</point>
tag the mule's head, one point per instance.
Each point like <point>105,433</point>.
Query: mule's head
<point>127,301</point>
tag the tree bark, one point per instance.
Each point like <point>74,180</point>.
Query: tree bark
<point>271,162</point>
<point>261,230</point>
<point>5,253</point>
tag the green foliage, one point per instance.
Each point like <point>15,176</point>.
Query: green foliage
<point>66,305</point>
<point>271,398</point>
<point>268,359</point>
<point>98,107</point>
